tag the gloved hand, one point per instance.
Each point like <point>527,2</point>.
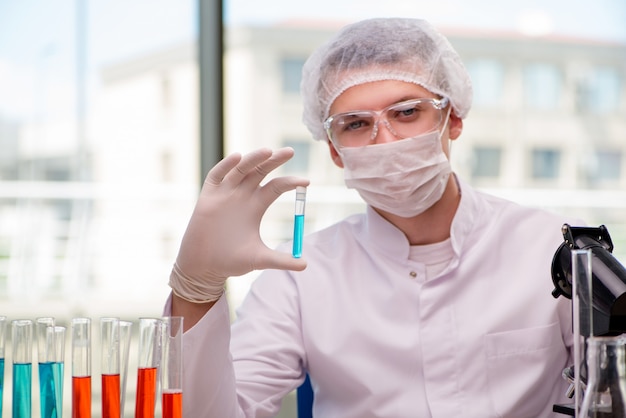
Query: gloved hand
<point>222,238</point>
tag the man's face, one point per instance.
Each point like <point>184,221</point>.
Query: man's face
<point>378,95</point>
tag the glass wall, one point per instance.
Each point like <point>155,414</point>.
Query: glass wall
<point>99,138</point>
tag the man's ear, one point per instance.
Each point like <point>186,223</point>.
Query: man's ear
<point>334,155</point>
<point>456,126</point>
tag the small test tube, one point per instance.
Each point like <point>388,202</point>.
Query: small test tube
<point>3,329</point>
<point>298,223</point>
<point>172,367</point>
<point>150,339</point>
<point>110,367</point>
<point>22,340</point>
<point>81,368</point>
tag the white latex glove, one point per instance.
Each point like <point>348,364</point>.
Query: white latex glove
<point>222,238</point>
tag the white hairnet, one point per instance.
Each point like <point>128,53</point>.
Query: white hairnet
<point>382,49</point>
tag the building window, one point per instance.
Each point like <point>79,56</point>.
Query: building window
<point>608,165</point>
<point>545,163</point>
<point>600,91</point>
<point>291,74</point>
<point>542,86</point>
<point>486,162</point>
<point>488,81</point>
<point>299,164</point>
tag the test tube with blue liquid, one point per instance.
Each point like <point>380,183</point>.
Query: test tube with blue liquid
<point>298,223</point>
<point>3,328</point>
<point>22,339</point>
<point>51,353</point>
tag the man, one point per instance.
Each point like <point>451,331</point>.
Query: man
<point>436,302</point>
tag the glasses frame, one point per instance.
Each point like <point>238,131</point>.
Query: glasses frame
<point>437,104</point>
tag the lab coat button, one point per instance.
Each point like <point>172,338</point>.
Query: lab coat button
<point>413,274</point>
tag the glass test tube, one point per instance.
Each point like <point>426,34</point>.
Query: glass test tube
<point>110,367</point>
<point>125,334</point>
<point>81,368</point>
<point>172,368</point>
<point>51,352</point>
<point>148,366</point>
<point>3,328</point>
<point>22,339</point>
<point>298,223</point>
<point>45,373</point>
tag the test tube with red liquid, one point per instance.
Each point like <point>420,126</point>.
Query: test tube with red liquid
<point>172,368</point>
<point>110,367</point>
<point>81,368</point>
<point>150,339</point>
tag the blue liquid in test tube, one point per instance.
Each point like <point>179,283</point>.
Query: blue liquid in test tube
<point>51,387</point>
<point>3,329</point>
<point>1,383</point>
<point>22,340</point>
<point>298,224</point>
<point>22,381</point>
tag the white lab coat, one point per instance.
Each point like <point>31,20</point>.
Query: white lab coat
<point>485,338</point>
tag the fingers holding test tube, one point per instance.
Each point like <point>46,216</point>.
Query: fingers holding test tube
<point>223,235</point>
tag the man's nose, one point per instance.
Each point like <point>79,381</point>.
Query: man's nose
<point>384,133</point>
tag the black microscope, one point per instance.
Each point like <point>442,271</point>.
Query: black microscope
<point>608,291</point>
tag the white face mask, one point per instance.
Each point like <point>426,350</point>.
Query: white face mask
<point>403,177</point>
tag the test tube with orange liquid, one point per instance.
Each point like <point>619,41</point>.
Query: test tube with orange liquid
<point>81,368</point>
<point>110,367</point>
<point>172,368</point>
<point>150,339</point>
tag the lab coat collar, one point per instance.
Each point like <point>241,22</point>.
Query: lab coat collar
<point>392,241</point>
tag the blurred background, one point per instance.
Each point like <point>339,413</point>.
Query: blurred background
<point>112,112</point>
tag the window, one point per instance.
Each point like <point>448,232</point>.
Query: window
<point>488,82</point>
<point>291,73</point>
<point>486,162</point>
<point>542,86</point>
<point>545,163</point>
<point>608,165</point>
<point>86,188</point>
<point>600,91</point>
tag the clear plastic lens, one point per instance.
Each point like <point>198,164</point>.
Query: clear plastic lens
<point>403,120</point>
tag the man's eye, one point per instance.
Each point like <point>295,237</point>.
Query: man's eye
<point>408,113</point>
<point>355,124</point>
